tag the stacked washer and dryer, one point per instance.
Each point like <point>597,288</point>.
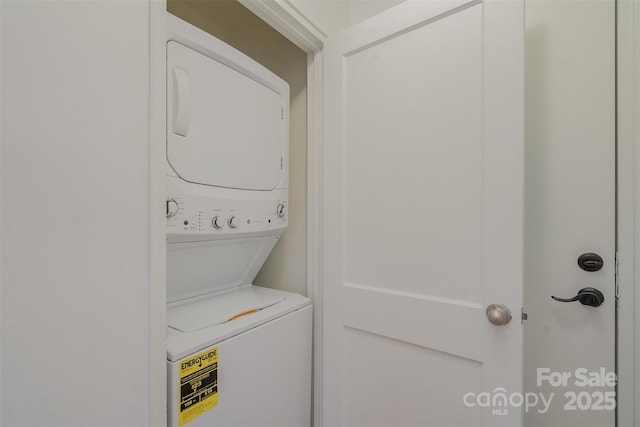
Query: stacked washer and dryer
<point>238,354</point>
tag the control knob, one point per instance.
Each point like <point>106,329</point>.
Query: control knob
<point>232,222</point>
<point>172,208</point>
<point>280,210</point>
<point>217,223</point>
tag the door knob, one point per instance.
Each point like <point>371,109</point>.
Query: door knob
<point>587,296</point>
<point>498,314</point>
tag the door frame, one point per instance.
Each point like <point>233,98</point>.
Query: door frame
<point>157,280</point>
<point>628,208</point>
<point>283,16</point>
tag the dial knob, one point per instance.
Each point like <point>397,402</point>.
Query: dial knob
<point>280,210</point>
<point>172,208</point>
<point>232,222</point>
<point>217,223</point>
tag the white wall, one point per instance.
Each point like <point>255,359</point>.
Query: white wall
<point>75,213</point>
<point>330,16</point>
<point>359,10</point>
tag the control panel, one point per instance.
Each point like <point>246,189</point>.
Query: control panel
<point>220,217</point>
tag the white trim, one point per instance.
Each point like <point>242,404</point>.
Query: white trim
<point>636,132</point>
<point>635,113</point>
<point>628,126</point>
<point>157,197</point>
<point>314,221</point>
<point>0,207</point>
<point>288,21</point>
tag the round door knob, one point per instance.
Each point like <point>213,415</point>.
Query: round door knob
<point>498,314</point>
<point>172,208</point>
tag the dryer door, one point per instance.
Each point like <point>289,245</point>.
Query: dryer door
<point>225,129</point>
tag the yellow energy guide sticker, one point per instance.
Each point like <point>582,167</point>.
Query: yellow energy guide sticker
<point>198,385</point>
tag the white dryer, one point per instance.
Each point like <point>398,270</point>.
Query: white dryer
<point>237,354</point>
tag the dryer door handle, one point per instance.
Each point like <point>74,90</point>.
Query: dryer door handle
<point>181,101</point>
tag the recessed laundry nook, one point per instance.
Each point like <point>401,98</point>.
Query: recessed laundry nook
<point>228,139</point>
<point>296,213</point>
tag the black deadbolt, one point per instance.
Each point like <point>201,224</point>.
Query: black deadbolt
<point>590,261</point>
<point>587,296</point>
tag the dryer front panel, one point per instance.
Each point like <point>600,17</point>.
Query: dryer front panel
<point>226,128</point>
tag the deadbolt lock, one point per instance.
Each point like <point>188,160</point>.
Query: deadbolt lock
<point>590,261</point>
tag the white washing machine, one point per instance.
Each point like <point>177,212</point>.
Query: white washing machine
<point>237,354</point>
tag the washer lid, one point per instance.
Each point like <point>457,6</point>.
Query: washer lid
<point>198,269</point>
<point>225,118</point>
<point>181,344</point>
<point>218,309</point>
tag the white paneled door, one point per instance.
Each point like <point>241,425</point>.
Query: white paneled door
<point>424,217</point>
